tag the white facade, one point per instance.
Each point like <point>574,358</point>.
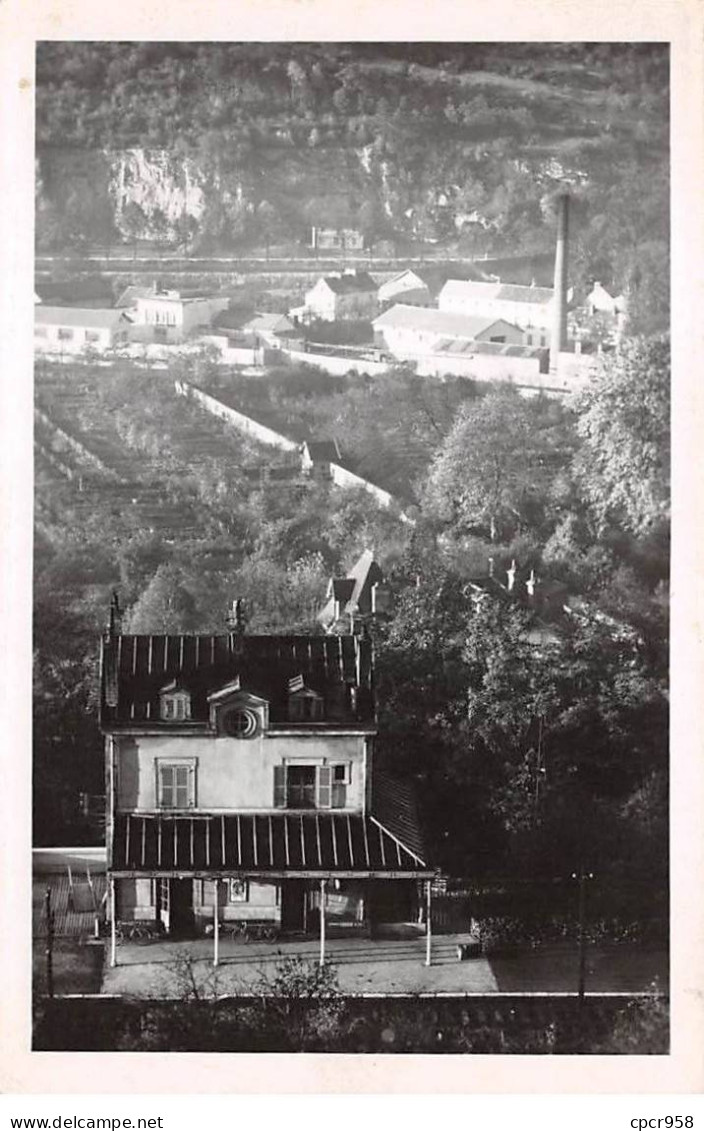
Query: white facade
<point>172,318</point>
<point>408,287</point>
<point>409,332</point>
<point>513,303</point>
<point>69,330</point>
<point>599,301</point>
<point>341,297</point>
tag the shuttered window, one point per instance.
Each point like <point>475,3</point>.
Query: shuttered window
<point>304,787</point>
<point>279,787</point>
<point>341,777</point>
<point>324,787</point>
<point>176,786</point>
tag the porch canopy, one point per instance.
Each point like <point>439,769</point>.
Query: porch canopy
<point>279,845</point>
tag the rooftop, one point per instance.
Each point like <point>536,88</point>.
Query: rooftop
<point>452,347</point>
<point>136,668</point>
<point>89,317</point>
<point>502,292</point>
<point>422,318</point>
<point>350,282</point>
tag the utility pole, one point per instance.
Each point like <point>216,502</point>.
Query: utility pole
<point>582,876</point>
<point>49,943</point>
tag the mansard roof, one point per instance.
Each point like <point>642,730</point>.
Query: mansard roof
<point>135,669</point>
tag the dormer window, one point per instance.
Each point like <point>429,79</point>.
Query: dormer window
<point>236,712</point>
<point>304,704</point>
<point>174,703</point>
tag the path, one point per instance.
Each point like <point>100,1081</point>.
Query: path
<point>362,965</point>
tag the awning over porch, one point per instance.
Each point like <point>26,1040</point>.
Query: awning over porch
<point>278,845</point>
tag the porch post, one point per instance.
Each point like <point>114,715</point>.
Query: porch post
<point>113,925</point>
<point>428,935</point>
<point>216,926</point>
<point>322,922</point>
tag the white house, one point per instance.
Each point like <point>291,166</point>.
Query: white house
<point>527,307</point>
<point>408,332</point>
<point>171,316</point>
<point>599,301</point>
<point>347,295</point>
<point>241,786</point>
<point>420,286</point>
<point>71,329</point>
<point>269,329</point>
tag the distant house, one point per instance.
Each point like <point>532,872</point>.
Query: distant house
<point>70,329</point>
<point>269,329</point>
<point>355,597</point>
<point>336,239</point>
<point>410,331</point>
<point>420,286</point>
<point>317,455</point>
<point>599,301</point>
<point>527,307</point>
<point>171,316</point>
<point>347,295</point>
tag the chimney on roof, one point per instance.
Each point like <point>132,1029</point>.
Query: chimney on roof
<point>558,338</point>
<point>235,617</point>
<point>511,574</point>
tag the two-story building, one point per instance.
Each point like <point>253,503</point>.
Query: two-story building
<point>349,295</point>
<point>531,308</point>
<point>241,785</point>
<point>170,316</point>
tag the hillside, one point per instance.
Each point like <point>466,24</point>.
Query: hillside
<point>227,145</point>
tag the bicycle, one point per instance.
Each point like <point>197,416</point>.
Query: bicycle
<point>253,932</point>
<point>134,932</point>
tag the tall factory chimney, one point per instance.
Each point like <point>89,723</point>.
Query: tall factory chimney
<point>558,337</point>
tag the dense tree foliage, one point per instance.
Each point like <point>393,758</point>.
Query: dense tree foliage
<point>625,427</point>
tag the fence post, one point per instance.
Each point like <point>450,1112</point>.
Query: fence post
<point>49,943</point>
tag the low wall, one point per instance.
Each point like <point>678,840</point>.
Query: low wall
<point>237,419</point>
<point>341,476</point>
<point>337,366</point>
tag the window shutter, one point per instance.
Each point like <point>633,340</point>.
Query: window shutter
<point>181,775</point>
<point>166,780</point>
<point>279,787</point>
<point>324,787</point>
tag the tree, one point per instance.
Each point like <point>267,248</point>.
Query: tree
<point>490,469</point>
<point>166,605</point>
<point>624,423</point>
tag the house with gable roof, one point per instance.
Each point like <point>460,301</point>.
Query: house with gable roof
<point>527,307</point>
<point>349,295</point>
<point>71,329</point>
<point>410,331</point>
<point>241,786</point>
<point>352,600</point>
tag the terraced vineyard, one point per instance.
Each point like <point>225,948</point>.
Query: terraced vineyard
<point>102,461</point>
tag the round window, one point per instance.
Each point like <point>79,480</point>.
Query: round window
<point>240,723</point>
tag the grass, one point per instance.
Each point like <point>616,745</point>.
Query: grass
<point>77,967</point>
<point>554,969</point>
